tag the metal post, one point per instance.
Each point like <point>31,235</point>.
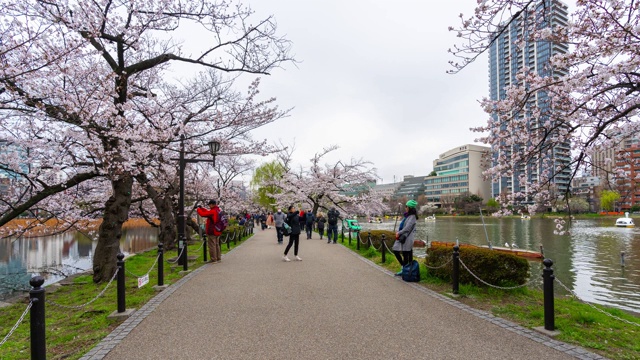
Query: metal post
<point>342,233</point>
<point>182,244</point>
<point>455,276</point>
<point>541,250</point>
<point>383,248</point>
<point>160,264</point>
<point>349,237</point>
<point>121,300</point>
<point>547,286</point>
<point>369,239</point>
<point>357,240</point>
<point>38,335</point>
<point>227,240</point>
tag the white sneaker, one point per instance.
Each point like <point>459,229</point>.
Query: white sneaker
<point>285,258</point>
<point>298,258</point>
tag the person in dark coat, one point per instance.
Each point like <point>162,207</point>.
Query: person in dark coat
<point>308,224</point>
<point>320,223</point>
<point>293,220</point>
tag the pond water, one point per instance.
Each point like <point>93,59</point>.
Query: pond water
<point>58,256</point>
<point>587,261</point>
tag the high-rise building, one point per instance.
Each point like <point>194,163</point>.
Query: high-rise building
<point>510,53</point>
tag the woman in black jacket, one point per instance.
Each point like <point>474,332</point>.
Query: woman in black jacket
<point>293,220</point>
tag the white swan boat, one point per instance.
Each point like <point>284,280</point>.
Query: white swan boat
<point>430,218</point>
<point>626,221</point>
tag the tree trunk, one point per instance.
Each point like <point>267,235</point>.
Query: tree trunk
<point>115,214</point>
<point>167,230</point>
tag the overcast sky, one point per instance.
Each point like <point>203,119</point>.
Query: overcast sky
<point>372,79</point>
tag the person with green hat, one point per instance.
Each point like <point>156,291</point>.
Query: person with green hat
<point>403,250</point>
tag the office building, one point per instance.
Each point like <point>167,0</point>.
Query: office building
<point>459,173</point>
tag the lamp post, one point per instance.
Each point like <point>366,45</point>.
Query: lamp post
<point>214,146</point>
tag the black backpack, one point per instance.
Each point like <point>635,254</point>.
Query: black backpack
<point>333,217</point>
<point>309,217</point>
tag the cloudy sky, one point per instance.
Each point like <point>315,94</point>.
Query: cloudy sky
<point>372,79</point>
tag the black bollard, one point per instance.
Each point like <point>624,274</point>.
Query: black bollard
<point>228,242</point>
<point>160,264</point>
<point>547,286</point>
<point>349,237</point>
<point>369,239</point>
<point>358,240</point>
<point>121,300</point>
<point>38,336</point>
<point>455,276</point>
<point>235,238</point>
<point>204,248</point>
<point>383,248</point>
<point>342,233</point>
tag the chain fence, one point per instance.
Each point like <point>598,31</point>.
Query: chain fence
<point>593,306</point>
<point>494,286</point>
<point>76,307</point>
<point>17,324</point>
<point>148,272</point>
<point>179,256</point>
<point>439,267</point>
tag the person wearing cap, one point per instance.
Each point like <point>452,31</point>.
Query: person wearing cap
<point>293,220</point>
<point>404,252</point>
<point>278,219</point>
<point>213,236</point>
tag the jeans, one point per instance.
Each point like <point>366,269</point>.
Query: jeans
<point>279,233</point>
<point>332,229</point>
<point>309,229</point>
<point>321,231</point>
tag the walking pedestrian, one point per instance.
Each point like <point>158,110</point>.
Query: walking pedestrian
<point>263,221</point>
<point>404,250</point>
<point>320,223</point>
<point>269,220</point>
<point>279,218</point>
<point>332,231</point>
<point>293,220</point>
<point>213,236</point>
<point>308,225</point>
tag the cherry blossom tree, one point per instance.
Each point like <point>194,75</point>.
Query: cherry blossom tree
<point>98,72</point>
<point>321,186</point>
<point>593,106</point>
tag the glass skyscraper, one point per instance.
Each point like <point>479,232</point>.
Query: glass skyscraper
<point>510,53</point>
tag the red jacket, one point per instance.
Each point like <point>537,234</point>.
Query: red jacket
<point>212,218</point>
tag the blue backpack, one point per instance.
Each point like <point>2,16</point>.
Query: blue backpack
<point>411,272</point>
<point>309,217</point>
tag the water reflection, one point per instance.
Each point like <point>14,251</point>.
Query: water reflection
<point>58,256</point>
<point>587,260</point>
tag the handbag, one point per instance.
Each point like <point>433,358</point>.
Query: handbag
<point>403,237</point>
<point>286,229</point>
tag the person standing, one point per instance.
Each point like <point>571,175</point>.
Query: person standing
<point>293,220</point>
<point>213,237</point>
<point>269,220</point>
<point>308,225</point>
<point>404,251</point>
<point>332,231</point>
<point>321,221</point>
<point>279,218</point>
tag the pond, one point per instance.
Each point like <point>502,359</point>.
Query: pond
<point>587,261</point>
<point>58,256</point>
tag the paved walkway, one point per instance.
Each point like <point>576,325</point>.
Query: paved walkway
<point>331,305</point>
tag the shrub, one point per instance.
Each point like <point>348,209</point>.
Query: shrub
<point>494,267</point>
<point>376,237</point>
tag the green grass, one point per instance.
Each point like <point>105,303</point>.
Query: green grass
<point>578,323</point>
<point>70,333</point>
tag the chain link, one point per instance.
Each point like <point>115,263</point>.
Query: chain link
<point>439,267</point>
<point>148,272</point>
<point>593,306</point>
<point>17,324</point>
<point>493,286</point>
<point>178,258</point>
<point>225,239</point>
<point>89,302</point>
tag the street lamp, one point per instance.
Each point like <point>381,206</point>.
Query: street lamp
<point>214,146</point>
